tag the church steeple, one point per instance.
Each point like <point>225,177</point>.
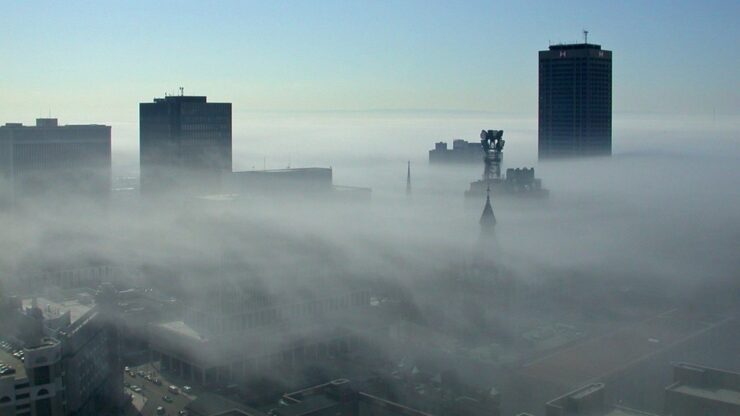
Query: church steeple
<point>487,219</point>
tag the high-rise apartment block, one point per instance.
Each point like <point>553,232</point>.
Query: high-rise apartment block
<point>184,141</point>
<point>575,101</point>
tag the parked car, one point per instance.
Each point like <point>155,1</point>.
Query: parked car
<point>167,399</point>
<point>160,410</point>
<point>187,389</point>
<point>173,389</point>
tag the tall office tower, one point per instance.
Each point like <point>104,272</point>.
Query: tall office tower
<point>51,159</point>
<point>575,101</point>
<point>184,142</point>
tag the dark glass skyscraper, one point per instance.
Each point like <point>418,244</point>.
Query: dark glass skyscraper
<point>575,101</point>
<point>184,141</point>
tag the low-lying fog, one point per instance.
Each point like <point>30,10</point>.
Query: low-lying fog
<point>665,204</point>
<point>664,210</point>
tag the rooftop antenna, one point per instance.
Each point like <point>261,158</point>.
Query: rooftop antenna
<point>182,91</point>
<point>585,36</point>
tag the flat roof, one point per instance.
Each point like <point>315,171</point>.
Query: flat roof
<point>287,170</point>
<point>182,329</point>
<point>624,411</point>
<point>182,98</point>
<point>571,46</point>
<point>308,405</point>
<point>578,393</point>
<point>718,395</point>
<point>60,126</point>
<point>9,360</point>
<point>212,404</point>
<point>53,310</point>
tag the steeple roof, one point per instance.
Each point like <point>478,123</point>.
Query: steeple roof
<point>487,219</point>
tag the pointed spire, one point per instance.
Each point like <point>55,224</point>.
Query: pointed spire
<point>408,178</point>
<point>487,219</point>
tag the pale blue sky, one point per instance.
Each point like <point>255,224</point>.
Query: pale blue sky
<point>96,60</point>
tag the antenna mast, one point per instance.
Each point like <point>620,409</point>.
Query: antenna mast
<point>585,36</point>
<point>182,91</point>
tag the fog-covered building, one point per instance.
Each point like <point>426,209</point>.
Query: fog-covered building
<point>588,400</point>
<point>232,331</point>
<point>462,152</point>
<point>59,357</point>
<point>184,142</point>
<point>51,159</point>
<point>31,378</point>
<point>699,390</point>
<point>340,397</point>
<point>303,180</point>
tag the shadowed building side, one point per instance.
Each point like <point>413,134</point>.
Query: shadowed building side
<point>184,142</point>
<point>575,101</point>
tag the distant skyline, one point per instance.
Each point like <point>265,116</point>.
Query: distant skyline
<point>95,62</point>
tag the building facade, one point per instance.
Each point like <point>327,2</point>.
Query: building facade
<point>588,400</point>
<point>59,358</point>
<point>462,152</point>
<point>575,101</point>
<point>184,141</point>
<point>699,390</point>
<point>31,379</point>
<point>51,159</point>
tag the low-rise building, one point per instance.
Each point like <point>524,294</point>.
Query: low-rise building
<point>248,331</point>
<point>31,378</point>
<point>211,404</point>
<point>588,400</point>
<point>702,390</point>
<point>60,357</point>
<point>339,397</point>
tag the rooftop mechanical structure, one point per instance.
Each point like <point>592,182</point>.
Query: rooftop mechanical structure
<point>519,182</point>
<point>493,147</point>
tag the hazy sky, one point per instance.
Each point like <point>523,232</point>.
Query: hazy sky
<point>94,61</point>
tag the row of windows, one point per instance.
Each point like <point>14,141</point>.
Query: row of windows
<point>61,155</point>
